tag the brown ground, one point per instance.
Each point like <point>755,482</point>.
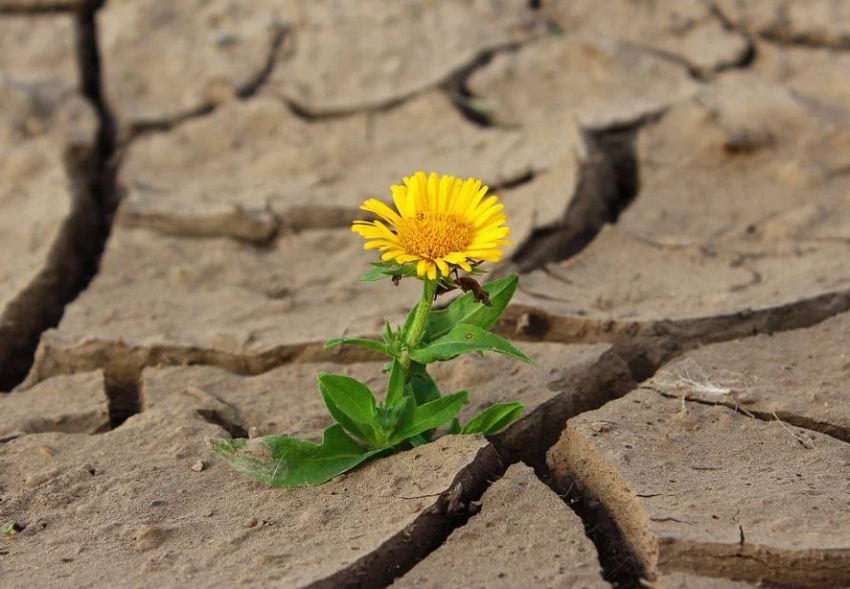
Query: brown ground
<point>176,184</point>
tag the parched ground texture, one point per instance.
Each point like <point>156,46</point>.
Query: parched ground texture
<point>177,181</point>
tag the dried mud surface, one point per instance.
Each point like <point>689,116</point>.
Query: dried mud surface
<point>177,181</point>
<point>206,526</point>
<point>524,534</point>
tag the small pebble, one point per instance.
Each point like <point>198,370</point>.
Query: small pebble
<point>199,466</point>
<point>250,523</point>
<point>157,502</point>
<point>46,451</point>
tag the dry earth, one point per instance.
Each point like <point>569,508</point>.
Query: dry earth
<point>176,184</point>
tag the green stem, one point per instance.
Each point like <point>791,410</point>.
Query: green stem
<point>417,329</point>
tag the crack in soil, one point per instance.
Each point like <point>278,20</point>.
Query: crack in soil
<point>74,257</point>
<point>585,389</point>
<point>70,264</point>
<point>243,92</point>
<point>779,35</point>
<point>609,181</point>
<point>56,7</point>
<point>402,552</point>
<point>456,86</point>
<point>665,339</point>
<point>832,430</point>
<point>620,566</point>
<point>453,85</point>
<point>582,221</point>
<point>743,61</point>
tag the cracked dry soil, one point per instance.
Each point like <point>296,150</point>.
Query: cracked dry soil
<point>176,184</point>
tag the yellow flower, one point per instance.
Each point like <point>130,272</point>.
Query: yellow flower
<point>442,222</point>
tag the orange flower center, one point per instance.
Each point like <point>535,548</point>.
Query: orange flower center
<point>434,235</point>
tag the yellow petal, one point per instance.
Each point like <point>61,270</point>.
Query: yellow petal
<point>490,255</point>
<point>432,270</point>
<point>421,267</point>
<point>486,209</point>
<point>489,237</point>
<point>467,190</point>
<point>373,205</point>
<point>432,191</point>
<point>419,199</point>
<point>476,198</point>
<point>401,201</point>
<point>390,255</point>
<point>379,243</point>
<point>374,231</point>
<point>443,195</point>
<point>441,264</point>
<point>454,191</point>
<point>493,222</point>
<point>385,232</point>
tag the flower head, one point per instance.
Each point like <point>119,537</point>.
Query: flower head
<point>441,222</point>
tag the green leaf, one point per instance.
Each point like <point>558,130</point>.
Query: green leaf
<point>362,342</point>
<point>396,384</point>
<point>454,428</point>
<point>373,274</point>
<point>351,404</point>
<point>465,310</point>
<point>465,338</point>
<point>283,461</point>
<point>388,334</point>
<point>494,419</point>
<point>381,270</point>
<point>430,415</point>
<point>408,321</point>
<point>418,440</point>
<point>423,386</point>
<point>351,396</point>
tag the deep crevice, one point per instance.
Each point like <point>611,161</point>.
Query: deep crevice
<point>69,264</point>
<point>124,400</point>
<point>89,65</point>
<point>124,364</point>
<point>609,181</point>
<point>123,397</point>
<point>75,255</point>
<point>620,566</point>
<point>235,430</point>
<point>585,388</point>
<point>430,530</point>
<point>644,356</point>
<point>456,87</point>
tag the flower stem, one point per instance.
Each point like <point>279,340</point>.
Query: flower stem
<point>420,320</point>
